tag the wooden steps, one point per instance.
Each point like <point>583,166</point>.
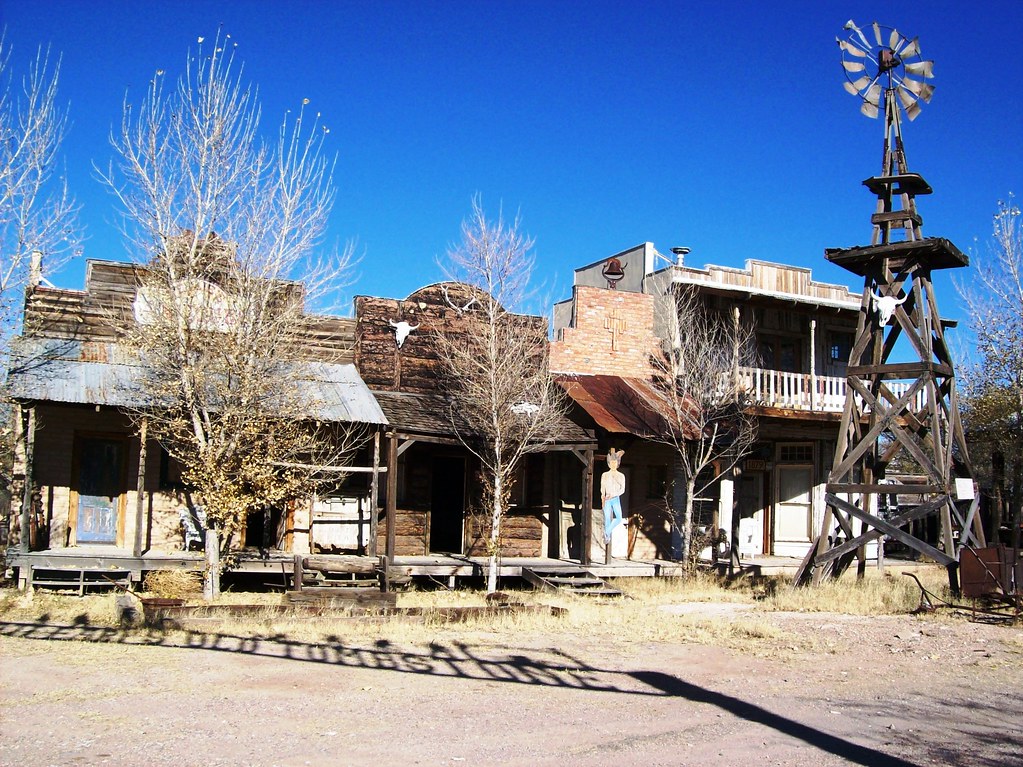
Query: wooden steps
<point>571,580</point>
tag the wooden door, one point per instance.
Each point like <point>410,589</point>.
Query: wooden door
<point>793,505</point>
<point>99,486</point>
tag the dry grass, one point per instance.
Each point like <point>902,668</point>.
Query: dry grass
<point>54,607</point>
<point>875,594</point>
<point>173,584</point>
<point>734,615</point>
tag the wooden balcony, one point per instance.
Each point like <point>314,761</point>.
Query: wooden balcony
<point>804,391</point>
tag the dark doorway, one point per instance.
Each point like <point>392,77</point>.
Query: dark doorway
<point>264,529</point>
<point>447,505</point>
<point>100,485</point>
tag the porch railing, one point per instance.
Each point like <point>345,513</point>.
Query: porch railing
<point>803,391</point>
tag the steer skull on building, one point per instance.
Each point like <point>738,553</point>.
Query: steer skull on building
<point>885,306</point>
<point>401,331</point>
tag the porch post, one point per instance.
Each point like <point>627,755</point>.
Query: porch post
<point>392,493</point>
<point>813,364</point>
<point>552,500</point>
<point>374,497</point>
<point>586,508</point>
<point>735,350</point>
<point>140,487</point>
<point>26,498</point>
<point>734,565</point>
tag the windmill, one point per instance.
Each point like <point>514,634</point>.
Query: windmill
<point>905,410</point>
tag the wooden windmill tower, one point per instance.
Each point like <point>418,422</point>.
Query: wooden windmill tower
<point>904,410</point>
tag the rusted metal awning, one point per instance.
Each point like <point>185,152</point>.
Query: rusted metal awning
<point>619,405</point>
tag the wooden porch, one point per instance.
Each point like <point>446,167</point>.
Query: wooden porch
<point>85,567</point>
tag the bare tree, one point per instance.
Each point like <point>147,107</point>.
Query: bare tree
<point>38,217</point>
<point>709,424</point>
<point>994,386</point>
<point>504,402</point>
<point>223,223</point>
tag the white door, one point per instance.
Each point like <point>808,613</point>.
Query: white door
<point>751,514</point>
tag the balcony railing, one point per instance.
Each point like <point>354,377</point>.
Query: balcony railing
<point>803,391</point>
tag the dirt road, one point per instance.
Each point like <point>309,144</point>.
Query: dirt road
<point>889,691</point>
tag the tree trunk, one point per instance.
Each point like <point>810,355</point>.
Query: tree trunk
<point>495,536</point>
<point>997,495</point>
<point>211,578</point>
<point>687,526</point>
<point>1017,499</point>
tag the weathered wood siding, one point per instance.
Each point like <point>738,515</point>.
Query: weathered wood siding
<point>411,533</point>
<point>102,311</point>
<point>416,366</point>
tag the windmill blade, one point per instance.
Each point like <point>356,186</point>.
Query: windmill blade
<point>868,109</point>
<point>922,90</point>
<point>854,66</point>
<point>873,95</point>
<point>877,34</point>
<point>856,86</point>
<point>906,98</point>
<point>851,48</point>
<point>913,49</point>
<point>913,111</point>
<point>859,33</point>
<point>895,40</point>
<point>921,68</point>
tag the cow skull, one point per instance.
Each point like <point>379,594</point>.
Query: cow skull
<point>885,306</point>
<point>525,408</point>
<point>401,331</point>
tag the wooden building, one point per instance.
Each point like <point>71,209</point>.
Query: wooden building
<point>804,331</point>
<point>88,489</point>
<point>432,496</point>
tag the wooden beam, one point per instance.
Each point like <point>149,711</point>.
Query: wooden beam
<point>140,486</point>
<point>923,510</point>
<point>892,489</point>
<point>392,495</point>
<point>586,509</point>
<point>866,442</point>
<point>897,370</point>
<point>888,529</point>
<point>374,497</point>
<point>330,469</point>
<point>26,497</point>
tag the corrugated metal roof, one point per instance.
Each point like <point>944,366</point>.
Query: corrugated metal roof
<point>619,405</point>
<point>336,393</point>
<point>55,370</point>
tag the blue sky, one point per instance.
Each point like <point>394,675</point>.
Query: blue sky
<point>719,126</point>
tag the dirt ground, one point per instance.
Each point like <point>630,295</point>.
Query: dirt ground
<point>822,690</point>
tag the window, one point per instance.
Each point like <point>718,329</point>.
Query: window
<point>780,353</point>
<point>795,453</point>
<point>839,347</point>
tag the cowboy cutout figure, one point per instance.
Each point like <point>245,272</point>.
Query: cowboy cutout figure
<point>612,486</point>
